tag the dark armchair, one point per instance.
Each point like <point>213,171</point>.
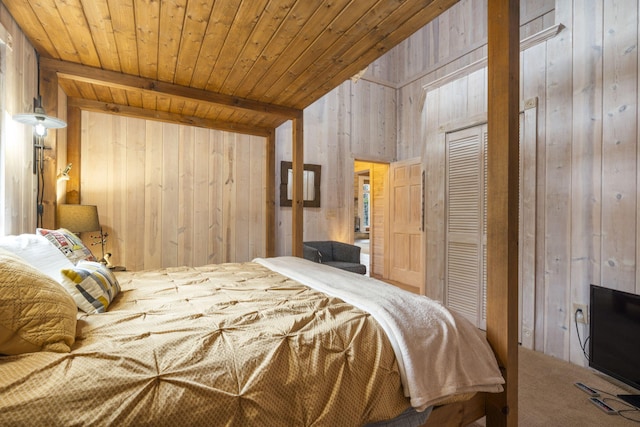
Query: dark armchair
<point>336,254</point>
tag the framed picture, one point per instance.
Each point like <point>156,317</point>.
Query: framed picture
<point>310,185</point>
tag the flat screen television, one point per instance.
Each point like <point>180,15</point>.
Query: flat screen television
<point>614,343</point>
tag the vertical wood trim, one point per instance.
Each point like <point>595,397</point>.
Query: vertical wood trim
<point>215,216</point>
<point>637,242</point>
<point>240,196</point>
<point>434,157</point>
<point>297,201</point>
<point>74,136</point>
<point>116,174</point>
<point>153,196</point>
<point>186,154</point>
<point>170,200</point>
<point>135,193</point>
<point>379,206</point>
<point>49,92</point>
<point>387,223</point>
<point>270,196</point>
<point>502,204</point>
<point>528,214</point>
<point>586,162</point>
<point>257,238</point>
<point>619,145</point>
<point>555,299</point>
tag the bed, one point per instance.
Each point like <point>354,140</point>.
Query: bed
<point>502,213</point>
<point>275,341</point>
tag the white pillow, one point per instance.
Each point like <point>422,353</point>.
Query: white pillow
<point>38,252</point>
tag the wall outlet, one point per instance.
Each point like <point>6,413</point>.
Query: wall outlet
<point>582,317</point>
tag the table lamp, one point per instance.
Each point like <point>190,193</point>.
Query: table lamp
<point>80,219</point>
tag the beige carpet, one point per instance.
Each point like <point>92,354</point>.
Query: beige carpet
<point>547,395</point>
<point>364,253</point>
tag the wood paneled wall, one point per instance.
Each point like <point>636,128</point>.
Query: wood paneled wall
<point>455,40</point>
<point>587,169</point>
<point>171,195</point>
<point>447,109</point>
<point>374,127</point>
<point>19,72</point>
<point>354,121</point>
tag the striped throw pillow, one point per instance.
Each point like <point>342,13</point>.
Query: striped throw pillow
<point>92,285</point>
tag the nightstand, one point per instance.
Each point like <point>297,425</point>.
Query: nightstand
<point>118,268</point>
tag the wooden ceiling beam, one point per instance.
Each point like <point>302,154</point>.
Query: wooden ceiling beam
<point>142,113</point>
<point>98,76</point>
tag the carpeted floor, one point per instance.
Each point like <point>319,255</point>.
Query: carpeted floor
<point>364,252</point>
<point>548,397</point>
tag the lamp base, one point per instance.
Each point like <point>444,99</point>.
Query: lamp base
<point>106,260</point>
<point>102,240</point>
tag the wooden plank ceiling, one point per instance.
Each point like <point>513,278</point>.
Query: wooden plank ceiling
<point>243,65</point>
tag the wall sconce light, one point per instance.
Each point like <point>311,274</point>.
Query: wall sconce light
<point>39,119</point>
<point>40,122</point>
<point>64,175</point>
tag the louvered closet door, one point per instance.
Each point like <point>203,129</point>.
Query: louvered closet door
<point>465,222</point>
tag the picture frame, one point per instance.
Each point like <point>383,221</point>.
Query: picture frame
<point>311,185</point>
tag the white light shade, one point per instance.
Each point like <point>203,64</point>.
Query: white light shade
<point>78,218</point>
<point>38,119</point>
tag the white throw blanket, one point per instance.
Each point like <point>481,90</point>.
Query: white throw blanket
<point>440,354</point>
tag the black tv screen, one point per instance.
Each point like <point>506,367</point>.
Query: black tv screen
<point>614,343</point>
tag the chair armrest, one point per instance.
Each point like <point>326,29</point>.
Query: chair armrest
<point>346,252</point>
<point>312,254</point>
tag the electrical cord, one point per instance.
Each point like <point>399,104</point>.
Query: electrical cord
<point>621,412</point>
<point>582,346</point>
<point>39,145</point>
<point>613,398</point>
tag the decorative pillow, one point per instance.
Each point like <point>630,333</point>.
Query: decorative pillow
<point>38,252</point>
<point>36,313</point>
<point>92,285</point>
<point>68,243</point>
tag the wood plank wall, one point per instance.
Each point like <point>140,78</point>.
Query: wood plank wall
<point>445,110</point>
<point>19,68</point>
<point>585,80</point>
<point>171,195</point>
<point>354,121</point>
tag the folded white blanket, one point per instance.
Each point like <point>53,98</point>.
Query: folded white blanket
<point>440,353</point>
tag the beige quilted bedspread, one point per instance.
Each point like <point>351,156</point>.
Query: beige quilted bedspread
<point>230,344</point>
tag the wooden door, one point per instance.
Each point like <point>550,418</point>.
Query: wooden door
<point>405,243</point>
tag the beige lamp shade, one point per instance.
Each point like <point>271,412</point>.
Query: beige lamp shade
<point>78,218</point>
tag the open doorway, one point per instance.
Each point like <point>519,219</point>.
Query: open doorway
<point>362,210</point>
<point>370,181</point>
